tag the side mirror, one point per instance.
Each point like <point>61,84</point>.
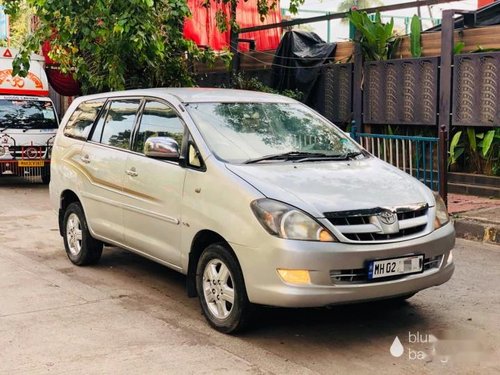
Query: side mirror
<point>161,148</point>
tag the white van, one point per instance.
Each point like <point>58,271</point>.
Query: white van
<point>28,121</point>
<point>255,197</point>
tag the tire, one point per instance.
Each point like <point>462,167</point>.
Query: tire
<point>45,176</point>
<point>224,313</point>
<point>80,247</point>
<point>400,300</point>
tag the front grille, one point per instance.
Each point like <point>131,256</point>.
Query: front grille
<point>364,225</point>
<point>28,152</point>
<point>360,275</point>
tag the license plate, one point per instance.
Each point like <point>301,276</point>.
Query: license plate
<point>30,163</point>
<point>395,266</point>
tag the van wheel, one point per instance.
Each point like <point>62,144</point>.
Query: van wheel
<point>221,290</point>
<point>45,177</point>
<point>81,248</point>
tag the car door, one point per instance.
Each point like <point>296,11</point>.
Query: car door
<point>153,187</point>
<point>104,157</point>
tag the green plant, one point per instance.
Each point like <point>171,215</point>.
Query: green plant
<point>377,38</point>
<point>347,5</point>
<point>243,82</point>
<point>112,44</point>
<point>480,150</point>
<point>415,37</point>
<point>459,46</point>
<point>456,149</point>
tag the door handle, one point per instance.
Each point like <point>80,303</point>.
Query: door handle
<point>132,172</point>
<point>85,159</point>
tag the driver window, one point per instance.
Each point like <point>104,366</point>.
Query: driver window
<point>158,120</point>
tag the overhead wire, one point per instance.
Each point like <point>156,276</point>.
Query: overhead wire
<point>278,65</point>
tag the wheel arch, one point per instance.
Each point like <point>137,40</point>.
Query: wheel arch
<point>200,242</point>
<point>67,197</point>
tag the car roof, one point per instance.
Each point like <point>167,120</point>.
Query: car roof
<point>199,95</point>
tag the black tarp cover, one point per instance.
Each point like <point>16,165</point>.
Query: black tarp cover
<point>297,63</point>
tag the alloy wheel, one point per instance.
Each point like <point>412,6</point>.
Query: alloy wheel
<point>218,288</point>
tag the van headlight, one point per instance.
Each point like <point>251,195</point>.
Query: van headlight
<point>285,221</point>
<point>442,216</point>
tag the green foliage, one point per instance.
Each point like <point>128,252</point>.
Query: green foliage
<point>242,82</point>
<point>347,5</point>
<point>415,37</point>
<point>112,44</point>
<point>471,135</point>
<point>480,150</point>
<point>18,26</point>
<point>459,46</point>
<point>456,148</point>
<point>377,38</point>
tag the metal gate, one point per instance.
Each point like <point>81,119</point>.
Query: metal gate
<point>417,156</point>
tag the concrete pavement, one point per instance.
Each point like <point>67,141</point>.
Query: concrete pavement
<point>129,315</point>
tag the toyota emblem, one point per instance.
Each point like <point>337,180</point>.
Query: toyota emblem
<point>388,217</point>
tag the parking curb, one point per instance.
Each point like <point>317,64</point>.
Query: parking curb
<point>477,230</point>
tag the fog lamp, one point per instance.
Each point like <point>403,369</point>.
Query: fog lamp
<point>295,276</point>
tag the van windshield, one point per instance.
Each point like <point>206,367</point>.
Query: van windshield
<point>27,114</point>
<point>268,132</point>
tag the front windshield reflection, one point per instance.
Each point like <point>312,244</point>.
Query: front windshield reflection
<point>27,114</point>
<point>238,132</point>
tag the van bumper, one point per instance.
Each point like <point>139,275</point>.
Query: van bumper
<point>324,260</point>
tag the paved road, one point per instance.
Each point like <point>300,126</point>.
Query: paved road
<point>129,315</point>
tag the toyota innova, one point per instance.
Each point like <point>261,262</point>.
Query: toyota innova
<point>256,198</point>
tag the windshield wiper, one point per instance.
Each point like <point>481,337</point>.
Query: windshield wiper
<point>346,156</point>
<point>287,156</point>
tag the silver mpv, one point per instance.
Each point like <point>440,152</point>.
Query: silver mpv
<point>255,197</point>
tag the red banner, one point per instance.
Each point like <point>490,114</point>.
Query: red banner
<point>202,28</point>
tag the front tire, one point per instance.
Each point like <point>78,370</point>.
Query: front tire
<point>80,247</point>
<point>221,290</point>
<point>45,175</point>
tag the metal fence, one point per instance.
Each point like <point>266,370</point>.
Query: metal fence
<point>417,156</point>
<point>476,97</point>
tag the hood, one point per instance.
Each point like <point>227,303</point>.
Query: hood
<point>318,187</point>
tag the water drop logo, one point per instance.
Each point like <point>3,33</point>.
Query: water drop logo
<point>397,349</point>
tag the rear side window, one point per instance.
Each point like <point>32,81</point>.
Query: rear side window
<point>119,122</point>
<point>81,121</point>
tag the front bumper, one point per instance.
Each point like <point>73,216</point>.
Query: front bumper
<point>264,286</point>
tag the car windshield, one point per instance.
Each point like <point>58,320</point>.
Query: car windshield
<point>26,114</point>
<point>258,132</point>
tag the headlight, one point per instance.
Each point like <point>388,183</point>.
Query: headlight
<point>2,151</point>
<point>442,216</point>
<point>285,221</point>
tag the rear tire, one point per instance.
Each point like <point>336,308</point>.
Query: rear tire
<point>45,177</point>
<point>221,290</point>
<point>80,247</point>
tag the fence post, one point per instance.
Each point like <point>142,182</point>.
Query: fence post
<point>354,131</point>
<point>445,77</point>
<point>443,163</point>
<point>357,93</point>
